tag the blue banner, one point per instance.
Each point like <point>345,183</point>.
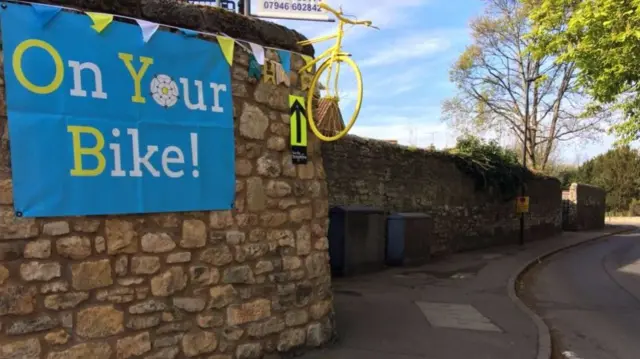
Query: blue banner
<point>101,122</point>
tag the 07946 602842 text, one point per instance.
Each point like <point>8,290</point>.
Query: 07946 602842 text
<point>293,6</point>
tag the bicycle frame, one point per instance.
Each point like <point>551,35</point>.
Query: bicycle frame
<point>332,53</point>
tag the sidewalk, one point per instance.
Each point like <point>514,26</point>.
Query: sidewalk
<point>454,308</point>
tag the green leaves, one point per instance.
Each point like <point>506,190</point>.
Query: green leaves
<point>489,164</point>
<point>615,171</point>
<point>602,38</point>
<point>507,83</point>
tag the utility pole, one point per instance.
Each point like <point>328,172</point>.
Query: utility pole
<point>523,190</point>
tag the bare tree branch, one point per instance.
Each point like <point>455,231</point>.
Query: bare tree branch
<point>492,77</point>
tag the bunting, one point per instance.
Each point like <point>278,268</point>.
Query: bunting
<point>282,76</point>
<point>259,65</point>
<point>269,72</point>
<point>254,68</point>
<point>188,32</point>
<point>100,21</point>
<point>45,13</point>
<point>148,28</point>
<point>305,80</point>
<point>307,59</point>
<point>258,52</point>
<point>285,59</point>
<point>227,45</point>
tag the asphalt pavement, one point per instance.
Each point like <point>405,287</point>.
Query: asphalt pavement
<point>590,297</point>
<point>455,308</point>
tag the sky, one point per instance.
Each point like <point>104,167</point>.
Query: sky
<point>405,67</point>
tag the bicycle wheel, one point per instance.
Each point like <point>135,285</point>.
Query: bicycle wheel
<point>327,121</point>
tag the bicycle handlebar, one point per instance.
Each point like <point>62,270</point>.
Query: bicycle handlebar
<point>338,14</point>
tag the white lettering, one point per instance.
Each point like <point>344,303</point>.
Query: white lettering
<point>77,89</point>
<point>216,96</point>
<point>166,160</point>
<point>187,100</point>
<point>194,154</point>
<point>137,160</point>
<point>117,157</point>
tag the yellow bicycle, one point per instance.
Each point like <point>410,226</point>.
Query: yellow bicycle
<point>334,56</point>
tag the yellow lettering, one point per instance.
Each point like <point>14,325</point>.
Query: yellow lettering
<point>79,151</point>
<point>17,66</point>
<point>137,76</point>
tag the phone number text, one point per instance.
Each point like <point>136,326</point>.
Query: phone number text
<point>279,5</point>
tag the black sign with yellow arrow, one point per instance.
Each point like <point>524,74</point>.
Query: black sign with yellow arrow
<point>298,123</point>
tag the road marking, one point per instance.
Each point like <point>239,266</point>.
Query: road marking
<point>458,316</point>
<point>570,355</point>
<point>631,268</point>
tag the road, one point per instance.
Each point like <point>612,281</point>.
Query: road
<point>590,297</point>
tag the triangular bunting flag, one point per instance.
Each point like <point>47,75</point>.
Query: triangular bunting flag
<point>270,72</point>
<point>148,29</point>
<point>254,68</point>
<point>282,76</point>
<point>285,59</point>
<point>307,59</point>
<point>258,52</point>
<point>189,33</point>
<point>226,44</point>
<point>45,13</point>
<point>100,21</point>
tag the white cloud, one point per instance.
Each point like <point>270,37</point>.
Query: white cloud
<point>411,48</point>
<point>410,134</point>
<point>409,125</point>
<point>384,84</point>
<point>384,14</point>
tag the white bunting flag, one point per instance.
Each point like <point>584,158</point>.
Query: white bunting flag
<point>148,29</point>
<point>282,76</point>
<point>258,52</point>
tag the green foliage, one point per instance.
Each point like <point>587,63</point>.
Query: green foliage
<point>602,38</point>
<point>486,152</point>
<point>566,174</point>
<point>501,87</point>
<point>489,164</point>
<point>617,172</point>
<point>634,208</point>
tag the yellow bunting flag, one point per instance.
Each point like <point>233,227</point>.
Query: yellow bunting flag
<point>305,81</point>
<point>281,75</point>
<point>100,21</point>
<point>307,59</point>
<point>269,72</point>
<point>227,44</point>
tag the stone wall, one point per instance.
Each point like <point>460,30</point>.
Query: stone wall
<point>243,283</point>
<point>584,207</point>
<point>391,177</point>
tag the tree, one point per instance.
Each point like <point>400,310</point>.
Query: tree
<point>501,86</point>
<point>489,164</point>
<point>486,152</point>
<point>617,172</point>
<point>601,38</point>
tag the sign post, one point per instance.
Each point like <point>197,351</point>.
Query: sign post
<point>298,134</point>
<point>522,205</point>
<point>291,10</point>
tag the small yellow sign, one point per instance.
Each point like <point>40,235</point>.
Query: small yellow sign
<point>298,121</point>
<point>298,134</point>
<point>522,204</point>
